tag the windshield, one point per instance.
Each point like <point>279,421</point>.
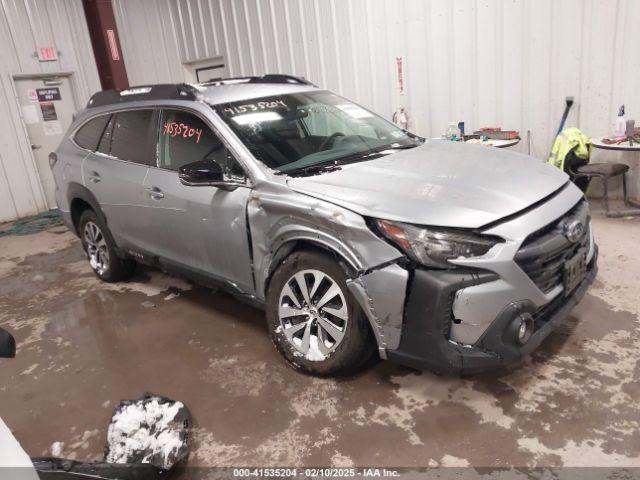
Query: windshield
<point>297,131</point>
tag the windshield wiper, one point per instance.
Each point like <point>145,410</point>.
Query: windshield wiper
<point>353,158</point>
<point>314,169</point>
<point>330,165</point>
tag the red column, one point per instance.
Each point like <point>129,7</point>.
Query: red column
<point>106,44</point>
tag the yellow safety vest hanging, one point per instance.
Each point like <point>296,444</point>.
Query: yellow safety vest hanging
<point>570,139</point>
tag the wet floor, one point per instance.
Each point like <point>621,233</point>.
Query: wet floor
<point>84,345</point>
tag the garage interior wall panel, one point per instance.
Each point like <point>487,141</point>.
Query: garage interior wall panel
<point>26,25</point>
<point>484,62</point>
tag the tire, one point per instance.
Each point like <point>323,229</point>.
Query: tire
<point>100,249</point>
<point>329,338</point>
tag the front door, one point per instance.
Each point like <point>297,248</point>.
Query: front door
<point>201,228</point>
<point>47,106</point>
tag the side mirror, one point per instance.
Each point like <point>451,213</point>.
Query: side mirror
<point>201,173</point>
<point>7,344</point>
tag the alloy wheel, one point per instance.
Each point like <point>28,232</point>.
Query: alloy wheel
<point>313,314</point>
<point>96,248</point>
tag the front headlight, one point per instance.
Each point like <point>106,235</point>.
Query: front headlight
<point>435,247</point>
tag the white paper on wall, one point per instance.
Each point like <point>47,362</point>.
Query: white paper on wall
<point>30,114</point>
<point>52,128</point>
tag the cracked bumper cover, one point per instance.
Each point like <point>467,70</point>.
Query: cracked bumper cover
<point>424,342</point>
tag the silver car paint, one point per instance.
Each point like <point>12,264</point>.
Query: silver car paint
<point>278,217</point>
<point>67,170</point>
<point>440,183</point>
<point>117,185</point>
<point>204,228</point>
<point>433,185</point>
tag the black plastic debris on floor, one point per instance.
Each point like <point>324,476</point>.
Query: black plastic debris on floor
<point>146,439</point>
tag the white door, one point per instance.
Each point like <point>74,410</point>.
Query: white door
<point>204,70</point>
<point>47,108</point>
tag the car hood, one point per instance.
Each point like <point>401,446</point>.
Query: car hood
<point>439,183</point>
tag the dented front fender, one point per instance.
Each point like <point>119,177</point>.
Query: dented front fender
<point>279,217</point>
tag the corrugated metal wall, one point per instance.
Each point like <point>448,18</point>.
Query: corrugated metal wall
<point>487,62</point>
<point>26,25</point>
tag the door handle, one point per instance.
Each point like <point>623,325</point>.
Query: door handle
<point>94,177</point>
<point>155,193</point>
<point>35,147</point>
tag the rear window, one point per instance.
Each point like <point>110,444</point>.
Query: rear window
<point>135,136</point>
<point>89,134</point>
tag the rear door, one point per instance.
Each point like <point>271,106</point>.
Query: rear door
<point>202,228</point>
<point>115,173</point>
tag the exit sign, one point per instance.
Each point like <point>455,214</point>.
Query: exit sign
<point>47,54</point>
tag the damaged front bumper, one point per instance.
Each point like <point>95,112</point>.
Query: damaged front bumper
<point>413,315</point>
<point>428,316</point>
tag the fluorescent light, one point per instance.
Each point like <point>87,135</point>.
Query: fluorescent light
<point>135,91</point>
<point>257,117</point>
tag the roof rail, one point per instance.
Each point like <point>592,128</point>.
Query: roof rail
<point>165,91</point>
<point>268,78</point>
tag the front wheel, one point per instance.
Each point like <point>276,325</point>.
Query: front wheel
<point>313,320</point>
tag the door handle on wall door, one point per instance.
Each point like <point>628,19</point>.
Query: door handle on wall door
<point>155,193</point>
<point>94,177</point>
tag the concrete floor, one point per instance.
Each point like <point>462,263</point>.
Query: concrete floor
<point>84,345</point>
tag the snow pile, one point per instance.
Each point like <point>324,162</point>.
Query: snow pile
<point>314,354</point>
<point>150,430</point>
<point>56,449</point>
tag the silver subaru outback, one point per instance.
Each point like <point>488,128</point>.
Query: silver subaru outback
<point>354,236</point>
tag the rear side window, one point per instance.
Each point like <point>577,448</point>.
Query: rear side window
<point>134,136</point>
<point>105,142</point>
<point>90,133</point>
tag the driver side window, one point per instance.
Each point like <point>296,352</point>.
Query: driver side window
<point>185,138</point>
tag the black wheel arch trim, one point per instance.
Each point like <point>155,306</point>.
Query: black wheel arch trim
<point>76,191</point>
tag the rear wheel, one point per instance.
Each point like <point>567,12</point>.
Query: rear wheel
<point>314,321</point>
<point>100,249</point>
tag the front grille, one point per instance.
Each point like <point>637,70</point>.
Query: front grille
<point>543,253</point>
